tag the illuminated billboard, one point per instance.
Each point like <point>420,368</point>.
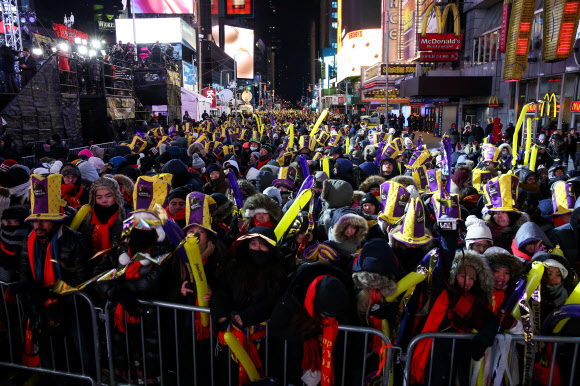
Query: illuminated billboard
<point>239,7</point>
<point>164,6</point>
<point>151,30</point>
<point>359,48</point>
<point>356,15</point>
<point>239,44</point>
<point>408,48</point>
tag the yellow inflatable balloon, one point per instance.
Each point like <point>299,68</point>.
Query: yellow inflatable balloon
<point>318,122</point>
<point>528,140</point>
<point>242,356</point>
<point>326,166</point>
<point>299,203</point>
<point>79,217</point>
<point>291,134</point>
<point>517,131</point>
<point>574,298</point>
<point>533,158</point>
<point>196,266</point>
<point>534,278</point>
<point>410,280</point>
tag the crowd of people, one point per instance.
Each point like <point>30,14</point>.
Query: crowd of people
<point>306,226</point>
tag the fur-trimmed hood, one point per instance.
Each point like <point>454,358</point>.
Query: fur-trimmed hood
<point>260,200</point>
<point>357,196</point>
<point>484,285</point>
<point>196,146</point>
<point>497,256</point>
<point>126,182</point>
<point>524,218</point>
<point>247,187</point>
<point>111,184</point>
<point>368,281</point>
<point>505,146</point>
<point>368,151</point>
<point>223,212</point>
<point>339,225</point>
<point>371,181</point>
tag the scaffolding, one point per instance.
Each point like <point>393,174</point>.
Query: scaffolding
<point>11,23</point>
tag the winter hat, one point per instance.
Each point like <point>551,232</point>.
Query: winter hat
<point>106,183</point>
<point>88,171</point>
<point>197,211</point>
<point>555,263</point>
<point>97,163</point>
<point>17,212</point>
<point>274,194</point>
<point>368,169</point>
<point>197,162</point>
<point>342,167</point>
<point>370,198</point>
<point>212,168</point>
<point>336,150</point>
<point>477,230</point>
<point>331,297</point>
<point>179,171</point>
<point>87,153</point>
<point>69,169</point>
<point>97,151</point>
<point>563,198</point>
<point>264,180</point>
<point>412,231</point>
<point>45,201</point>
<point>502,193</point>
<point>232,164</point>
<point>377,268</point>
<point>394,200</point>
<point>252,174</point>
<point>180,192</point>
<point>7,164</point>
<point>460,176</point>
<point>256,154</point>
<point>319,178</point>
<point>264,233</point>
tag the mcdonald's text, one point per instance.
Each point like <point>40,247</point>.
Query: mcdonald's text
<point>440,42</point>
<point>575,107</point>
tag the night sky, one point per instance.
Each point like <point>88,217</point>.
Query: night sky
<point>292,67</point>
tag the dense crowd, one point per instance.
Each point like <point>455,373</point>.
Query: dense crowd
<point>305,225</point>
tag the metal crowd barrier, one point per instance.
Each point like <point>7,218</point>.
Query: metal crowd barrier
<point>72,353</point>
<point>175,357</point>
<point>561,363</point>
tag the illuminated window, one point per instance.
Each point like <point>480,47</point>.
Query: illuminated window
<point>486,47</point>
<point>335,4</point>
<point>334,25</point>
<point>335,15</point>
<point>334,45</point>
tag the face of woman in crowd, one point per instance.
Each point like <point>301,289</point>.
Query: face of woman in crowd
<point>501,218</point>
<point>480,246</point>
<point>214,175</point>
<point>375,191</point>
<point>350,231</point>
<point>70,179</point>
<point>368,208</point>
<point>104,198</point>
<point>201,235</point>
<point>558,173</point>
<point>466,278</point>
<point>253,159</point>
<point>554,276</point>
<point>258,244</point>
<point>262,217</point>
<point>501,277</point>
<point>387,168</point>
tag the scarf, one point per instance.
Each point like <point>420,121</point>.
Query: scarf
<point>12,236</point>
<point>21,190</point>
<point>263,160</point>
<point>329,332</point>
<point>267,224</point>
<point>179,216</point>
<point>45,272</point>
<point>72,194</point>
<point>121,316</point>
<point>555,295</point>
<point>498,299</point>
<point>423,350</point>
<point>101,239</point>
<point>255,332</point>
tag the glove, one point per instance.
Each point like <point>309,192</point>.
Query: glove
<point>234,229</point>
<point>129,302</point>
<point>34,321</point>
<point>480,342</point>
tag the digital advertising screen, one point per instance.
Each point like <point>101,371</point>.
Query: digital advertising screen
<point>355,15</point>
<point>360,48</point>
<point>239,8</point>
<point>408,33</point>
<point>150,30</point>
<point>164,6</point>
<point>239,44</point>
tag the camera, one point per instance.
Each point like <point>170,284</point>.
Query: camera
<point>447,223</point>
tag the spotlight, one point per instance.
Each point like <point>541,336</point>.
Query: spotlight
<point>63,47</point>
<point>83,50</point>
<point>85,41</point>
<point>53,49</point>
<point>77,40</point>
<point>96,44</point>
<point>92,53</point>
<point>37,51</point>
<point>31,18</point>
<point>103,53</point>
<point>22,19</point>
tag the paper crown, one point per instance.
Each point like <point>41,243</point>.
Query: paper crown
<point>502,193</point>
<point>45,200</point>
<point>419,157</point>
<point>198,212</point>
<point>394,199</point>
<point>320,252</point>
<point>392,150</point>
<point>164,141</point>
<point>138,145</point>
<point>335,139</point>
<point>218,149</point>
<point>480,178</point>
<point>434,179</point>
<point>322,138</point>
<point>286,178</point>
<point>490,153</point>
<point>413,229</point>
<point>420,176</point>
<point>446,206</point>
<point>563,198</point>
<point>286,158</point>
<point>305,142</point>
<point>408,143</point>
<point>150,191</point>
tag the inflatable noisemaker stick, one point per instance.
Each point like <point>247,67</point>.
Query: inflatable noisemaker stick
<point>517,131</point>
<point>196,266</point>
<point>307,184</point>
<point>299,203</point>
<point>413,278</point>
<point>534,278</point>
<point>528,140</point>
<point>242,356</point>
<point>79,217</point>
<point>238,200</point>
<point>326,166</point>
<point>534,158</point>
<point>272,122</point>
<point>419,142</point>
<point>291,135</point>
<point>347,144</point>
<point>304,166</point>
<point>318,122</point>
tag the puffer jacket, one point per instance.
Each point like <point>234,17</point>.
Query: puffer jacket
<point>335,194</point>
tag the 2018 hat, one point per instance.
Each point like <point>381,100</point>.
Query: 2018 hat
<point>286,158</point>
<point>413,229</point>
<point>322,138</point>
<point>446,206</point>
<point>419,157</point>
<point>479,178</point>
<point>197,211</point>
<point>420,176</point>
<point>138,145</point>
<point>286,178</point>
<point>502,193</point>
<point>334,139</point>
<point>392,150</point>
<point>563,198</point>
<point>164,141</point>
<point>394,199</point>
<point>150,191</point>
<point>434,179</point>
<point>490,153</point>
<point>45,200</point>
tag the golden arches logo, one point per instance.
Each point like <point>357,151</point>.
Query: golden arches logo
<point>442,18</point>
<point>493,101</point>
<point>547,99</point>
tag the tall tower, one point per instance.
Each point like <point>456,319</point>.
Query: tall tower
<point>11,22</point>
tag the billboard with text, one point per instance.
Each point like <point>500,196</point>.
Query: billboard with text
<point>360,48</point>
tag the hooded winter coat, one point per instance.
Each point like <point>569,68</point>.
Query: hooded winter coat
<point>504,236</point>
<point>219,185</point>
<point>396,170</point>
<point>335,194</point>
<point>341,219</point>
<point>371,182</point>
<point>528,232</point>
<point>261,201</point>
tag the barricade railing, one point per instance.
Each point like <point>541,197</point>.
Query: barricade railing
<point>449,352</point>
<point>35,158</point>
<point>73,351</point>
<point>163,348</point>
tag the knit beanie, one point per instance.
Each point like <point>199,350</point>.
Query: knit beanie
<point>197,162</point>
<point>274,194</point>
<point>476,230</point>
<point>460,177</point>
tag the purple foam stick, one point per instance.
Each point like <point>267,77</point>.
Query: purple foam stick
<point>228,139</point>
<point>448,150</point>
<point>419,142</point>
<point>235,190</point>
<point>304,166</point>
<point>380,153</point>
<point>272,120</point>
<point>307,184</point>
<point>213,124</point>
<point>175,235</point>
<point>564,312</point>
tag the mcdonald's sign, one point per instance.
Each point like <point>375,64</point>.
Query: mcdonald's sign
<point>441,41</point>
<point>493,102</point>
<point>518,39</point>
<point>560,25</point>
<point>575,107</point>
<point>547,100</point>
